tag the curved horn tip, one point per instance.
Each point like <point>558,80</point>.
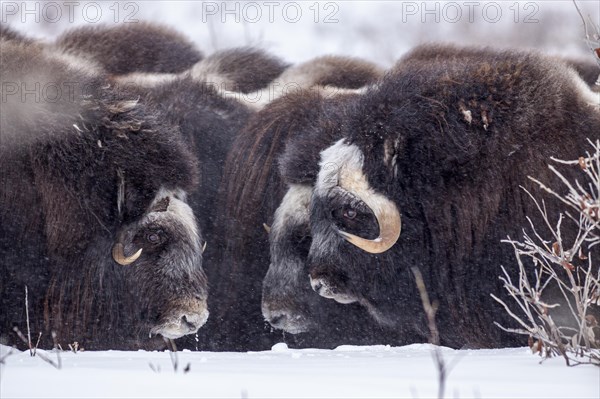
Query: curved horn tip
<point>376,246</point>
<point>267,228</point>
<point>204,246</point>
<point>390,225</point>
<point>118,254</point>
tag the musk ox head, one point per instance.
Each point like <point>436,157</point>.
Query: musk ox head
<point>161,253</point>
<point>346,208</point>
<point>289,301</point>
<point>353,227</point>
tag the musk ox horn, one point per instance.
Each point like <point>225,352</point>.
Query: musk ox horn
<point>386,213</point>
<point>267,228</point>
<point>342,165</point>
<point>118,255</point>
<point>389,231</point>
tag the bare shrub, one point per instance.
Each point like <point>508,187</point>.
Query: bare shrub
<point>561,262</point>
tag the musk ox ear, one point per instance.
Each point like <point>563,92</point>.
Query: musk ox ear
<point>390,153</point>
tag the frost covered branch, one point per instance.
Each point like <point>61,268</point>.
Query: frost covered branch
<point>566,264</point>
<point>593,39</point>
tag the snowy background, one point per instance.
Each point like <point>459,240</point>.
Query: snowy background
<point>378,30</point>
<point>297,31</point>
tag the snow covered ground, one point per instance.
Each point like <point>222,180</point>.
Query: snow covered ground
<point>345,372</point>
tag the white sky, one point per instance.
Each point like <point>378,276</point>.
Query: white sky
<point>376,30</point>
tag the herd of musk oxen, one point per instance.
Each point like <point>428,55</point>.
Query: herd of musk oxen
<point>144,186</point>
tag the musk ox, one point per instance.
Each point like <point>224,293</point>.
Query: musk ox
<point>193,100</point>
<point>314,320</point>
<point>429,174</point>
<point>231,72</point>
<point>148,54</point>
<point>240,70</point>
<point>209,124</point>
<point>93,204</point>
<point>250,193</point>
<point>331,74</point>
<point>135,47</point>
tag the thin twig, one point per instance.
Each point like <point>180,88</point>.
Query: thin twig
<point>31,351</point>
<point>434,336</point>
<point>6,355</point>
<point>589,40</point>
<point>172,348</point>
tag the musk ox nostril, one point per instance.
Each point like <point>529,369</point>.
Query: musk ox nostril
<point>277,320</point>
<point>180,322</point>
<point>289,321</point>
<point>316,285</point>
<point>325,288</point>
<point>192,321</point>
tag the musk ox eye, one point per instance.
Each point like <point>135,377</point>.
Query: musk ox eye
<point>349,214</point>
<point>344,213</point>
<point>153,237</point>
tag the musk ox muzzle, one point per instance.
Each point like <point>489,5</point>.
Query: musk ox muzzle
<point>286,295</point>
<point>286,299</point>
<point>184,317</point>
<point>290,319</point>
